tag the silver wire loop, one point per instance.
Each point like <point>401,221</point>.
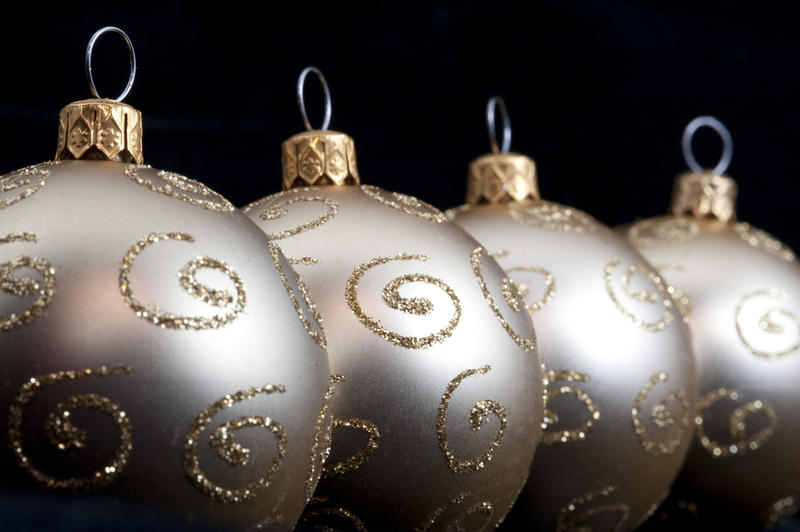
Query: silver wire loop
<point>497,102</point>
<point>131,59</point>
<point>301,102</point>
<point>722,131</point>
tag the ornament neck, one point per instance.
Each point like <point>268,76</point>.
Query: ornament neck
<point>704,195</point>
<point>316,158</point>
<point>501,177</point>
<point>100,129</point>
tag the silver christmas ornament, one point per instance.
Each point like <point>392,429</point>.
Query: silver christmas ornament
<point>742,289</point>
<point>153,347</point>
<point>439,400</point>
<point>620,377</point>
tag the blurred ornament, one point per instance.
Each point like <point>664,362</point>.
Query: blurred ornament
<point>621,387</point>
<point>742,287</point>
<point>437,416</point>
<point>143,324</point>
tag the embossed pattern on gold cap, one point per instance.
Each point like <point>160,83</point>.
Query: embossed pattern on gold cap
<point>501,177</point>
<point>314,158</point>
<point>704,195</point>
<point>100,129</point>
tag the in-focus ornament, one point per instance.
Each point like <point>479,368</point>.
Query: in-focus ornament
<point>153,347</point>
<point>620,377</point>
<point>437,414</point>
<point>742,287</point>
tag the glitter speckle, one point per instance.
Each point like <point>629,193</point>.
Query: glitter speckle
<point>176,186</point>
<point>477,416</point>
<point>528,344</point>
<point>550,437</point>
<point>737,426</point>
<point>221,441</point>
<point>405,203</point>
<point>766,324</point>
<point>391,296</point>
<point>30,179</point>
<point>64,435</point>
<point>662,417</point>
<point>25,287</point>
<point>642,296</point>
<point>187,279</point>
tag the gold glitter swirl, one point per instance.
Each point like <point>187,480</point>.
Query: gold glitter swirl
<point>405,203</point>
<point>29,179</point>
<point>737,425</point>
<point>550,437</point>
<point>416,305</point>
<point>275,207</point>
<point>321,448</point>
<point>189,282</point>
<point>569,518</point>
<point>483,508</point>
<point>680,299</point>
<point>180,187</point>
<point>767,325</point>
<point>781,510</point>
<point>511,295</point>
<point>477,416</point>
<point>354,462</point>
<point>26,287</point>
<point>320,508</point>
<point>763,241</point>
<point>642,296</point>
<point>662,417</point>
<point>64,435</point>
<point>663,231</point>
<point>316,332</point>
<point>222,442</point>
<point>552,216</point>
<point>549,286</point>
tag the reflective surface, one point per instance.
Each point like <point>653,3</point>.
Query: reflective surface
<point>622,388</point>
<point>150,348</point>
<point>744,288</point>
<point>438,416</point>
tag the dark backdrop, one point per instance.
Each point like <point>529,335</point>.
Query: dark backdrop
<point>599,92</point>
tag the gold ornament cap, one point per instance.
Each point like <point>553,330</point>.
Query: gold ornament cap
<point>705,193</point>
<point>501,176</point>
<point>100,129</point>
<point>318,156</point>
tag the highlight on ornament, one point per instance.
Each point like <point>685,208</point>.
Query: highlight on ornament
<point>740,288</point>
<point>439,411</point>
<point>619,378</point>
<point>160,354</point>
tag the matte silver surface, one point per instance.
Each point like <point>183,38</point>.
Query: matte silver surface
<point>581,329</point>
<point>86,217</point>
<point>717,267</point>
<point>406,482</point>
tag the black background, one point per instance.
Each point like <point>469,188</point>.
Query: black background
<point>598,91</point>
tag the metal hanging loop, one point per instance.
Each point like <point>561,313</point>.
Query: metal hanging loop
<point>301,102</point>
<point>131,58</point>
<point>722,131</point>
<point>497,102</point>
